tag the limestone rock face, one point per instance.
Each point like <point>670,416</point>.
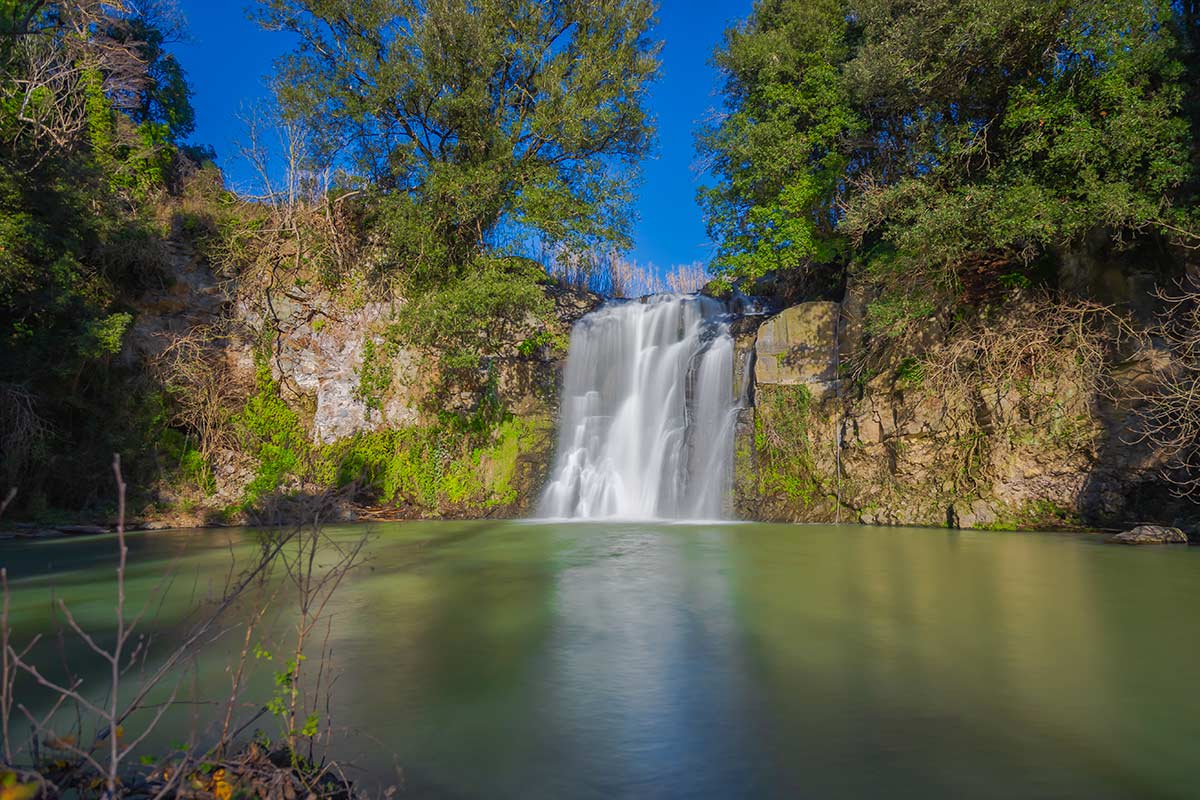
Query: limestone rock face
<point>325,361</point>
<point>799,346</point>
<point>1151,534</point>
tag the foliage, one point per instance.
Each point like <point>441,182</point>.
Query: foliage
<point>951,133</point>
<point>910,374</point>
<point>440,467</point>
<point>374,373</point>
<point>531,345</point>
<point>164,98</point>
<point>468,317</point>
<point>1033,515</point>
<point>779,149</point>
<point>470,118</point>
<point>783,442</point>
<point>79,238</point>
<point>271,431</point>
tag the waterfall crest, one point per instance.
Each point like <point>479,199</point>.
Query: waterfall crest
<point>648,413</point>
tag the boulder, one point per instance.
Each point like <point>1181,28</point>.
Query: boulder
<point>1151,534</point>
<point>799,346</point>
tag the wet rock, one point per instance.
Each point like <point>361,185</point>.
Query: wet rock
<point>32,532</point>
<point>570,303</point>
<point>1151,534</point>
<point>979,514</point>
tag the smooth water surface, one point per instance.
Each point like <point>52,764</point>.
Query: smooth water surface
<point>516,660</point>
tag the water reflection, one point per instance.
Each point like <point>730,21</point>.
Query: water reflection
<point>509,660</point>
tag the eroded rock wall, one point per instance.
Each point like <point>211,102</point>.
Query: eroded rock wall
<point>312,393</point>
<point>829,441</point>
<point>819,437</point>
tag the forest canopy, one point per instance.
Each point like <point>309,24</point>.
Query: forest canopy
<point>932,135</point>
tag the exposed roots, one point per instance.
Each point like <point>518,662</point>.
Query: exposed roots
<point>1170,418</point>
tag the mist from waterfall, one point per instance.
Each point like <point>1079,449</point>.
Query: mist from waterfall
<point>648,413</point>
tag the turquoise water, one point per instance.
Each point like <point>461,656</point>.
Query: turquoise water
<point>518,660</point>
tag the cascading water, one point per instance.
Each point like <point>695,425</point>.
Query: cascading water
<point>648,413</point>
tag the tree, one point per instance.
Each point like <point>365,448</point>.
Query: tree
<point>938,135</point>
<point>1004,129</point>
<point>50,54</point>
<point>464,117</point>
<point>79,170</point>
<point>164,96</point>
<point>778,150</point>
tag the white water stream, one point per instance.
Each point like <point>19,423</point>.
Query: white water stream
<point>648,413</point>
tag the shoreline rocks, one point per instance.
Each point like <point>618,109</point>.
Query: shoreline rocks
<point>1151,534</point>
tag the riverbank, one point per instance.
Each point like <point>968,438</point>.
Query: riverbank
<point>31,531</point>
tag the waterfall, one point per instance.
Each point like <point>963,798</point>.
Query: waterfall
<point>648,413</point>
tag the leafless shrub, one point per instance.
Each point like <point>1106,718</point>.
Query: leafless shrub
<point>193,369</point>
<point>312,586</point>
<point>1028,346</point>
<point>22,429</point>
<point>99,751</point>
<point>613,274</point>
<point>1170,417</point>
<point>1036,365</point>
<point>687,278</point>
<point>574,270</point>
<point>629,278</point>
<point>308,221</point>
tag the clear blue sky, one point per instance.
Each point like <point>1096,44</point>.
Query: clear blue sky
<point>228,58</point>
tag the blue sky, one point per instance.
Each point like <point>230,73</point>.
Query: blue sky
<point>228,57</point>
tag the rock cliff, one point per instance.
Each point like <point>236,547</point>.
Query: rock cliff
<point>933,433</point>
<point>1014,428</point>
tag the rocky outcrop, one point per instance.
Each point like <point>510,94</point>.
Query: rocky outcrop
<point>358,410</point>
<point>355,379</point>
<point>323,357</point>
<point>1151,534</point>
<point>798,346</point>
<point>824,432</point>
<point>834,435</point>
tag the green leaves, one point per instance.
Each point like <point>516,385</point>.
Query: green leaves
<point>469,116</point>
<point>103,336</point>
<point>776,151</point>
<point>952,131</point>
<point>467,317</point>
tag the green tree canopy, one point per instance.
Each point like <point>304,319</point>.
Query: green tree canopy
<point>952,132</point>
<point>780,148</point>
<point>468,116</point>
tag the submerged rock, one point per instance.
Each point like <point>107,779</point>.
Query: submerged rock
<point>1151,534</point>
